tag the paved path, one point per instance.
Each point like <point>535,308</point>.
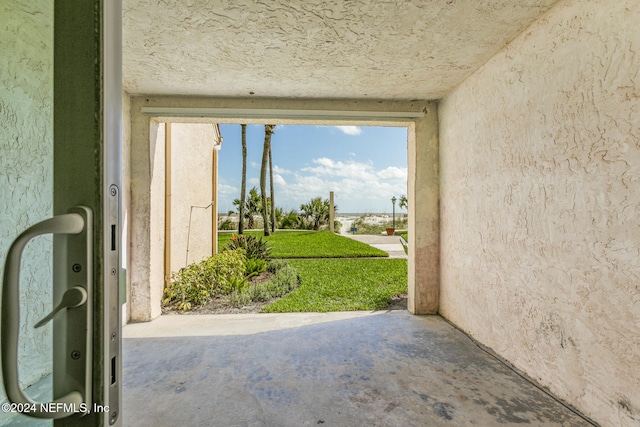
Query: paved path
<point>389,244</point>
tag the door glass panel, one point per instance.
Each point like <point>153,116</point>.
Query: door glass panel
<point>26,183</point>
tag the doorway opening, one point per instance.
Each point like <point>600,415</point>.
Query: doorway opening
<point>194,172</point>
<point>418,118</point>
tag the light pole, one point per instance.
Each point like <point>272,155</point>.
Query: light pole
<point>393,200</point>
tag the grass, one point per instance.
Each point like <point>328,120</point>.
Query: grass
<point>343,285</point>
<point>311,244</point>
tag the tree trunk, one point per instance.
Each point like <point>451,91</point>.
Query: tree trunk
<point>243,188</point>
<point>268,130</point>
<point>273,201</point>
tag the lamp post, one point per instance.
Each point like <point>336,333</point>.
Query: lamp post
<point>393,200</point>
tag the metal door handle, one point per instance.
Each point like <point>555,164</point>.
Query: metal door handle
<point>74,297</point>
<point>73,401</point>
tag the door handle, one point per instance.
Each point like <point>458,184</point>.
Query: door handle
<point>77,223</point>
<point>72,298</point>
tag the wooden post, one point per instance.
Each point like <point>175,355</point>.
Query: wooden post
<point>332,213</point>
<point>214,196</point>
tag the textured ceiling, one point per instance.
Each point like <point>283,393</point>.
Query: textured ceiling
<point>376,49</point>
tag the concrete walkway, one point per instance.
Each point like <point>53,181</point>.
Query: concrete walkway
<point>334,369</point>
<point>389,244</point>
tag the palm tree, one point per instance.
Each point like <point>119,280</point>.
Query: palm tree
<point>243,188</point>
<point>317,211</point>
<point>253,206</point>
<point>273,204</point>
<point>404,203</point>
<point>268,131</point>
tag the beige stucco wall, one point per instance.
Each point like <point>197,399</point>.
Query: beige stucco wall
<point>157,225</point>
<point>423,214</point>
<point>191,182</point>
<point>26,167</point>
<point>146,242</point>
<point>540,178</point>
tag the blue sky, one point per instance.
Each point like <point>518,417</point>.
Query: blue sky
<point>364,166</point>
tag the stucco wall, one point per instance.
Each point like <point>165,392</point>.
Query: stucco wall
<point>26,167</point>
<point>191,182</point>
<point>540,171</point>
<point>156,248</point>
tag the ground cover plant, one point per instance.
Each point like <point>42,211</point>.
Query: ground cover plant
<point>343,284</point>
<point>309,244</point>
<point>283,280</point>
<point>227,280</point>
<point>202,281</point>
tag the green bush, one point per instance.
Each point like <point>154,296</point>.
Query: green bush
<point>276,264</point>
<point>255,247</point>
<point>255,266</point>
<point>290,220</point>
<point>199,282</point>
<point>226,225</point>
<point>365,225</point>
<point>284,281</point>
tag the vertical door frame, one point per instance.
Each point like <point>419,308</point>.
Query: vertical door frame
<point>87,171</point>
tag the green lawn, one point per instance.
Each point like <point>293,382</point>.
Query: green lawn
<point>311,244</point>
<point>343,285</point>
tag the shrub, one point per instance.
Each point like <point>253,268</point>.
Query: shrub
<point>289,220</point>
<point>284,281</point>
<point>199,282</point>
<point>276,264</point>
<point>254,267</point>
<point>255,247</point>
<point>226,225</point>
<point>367,225</point>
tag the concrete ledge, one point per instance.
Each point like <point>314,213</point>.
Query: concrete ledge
<point>189,325</point>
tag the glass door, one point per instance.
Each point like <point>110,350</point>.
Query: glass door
<point>60,127</point>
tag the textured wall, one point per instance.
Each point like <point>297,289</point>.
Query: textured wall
<point>376,49</point>
<point>157,231</point>
<point>26,166</point>
<point>191,182</point>
<point>540,159</point>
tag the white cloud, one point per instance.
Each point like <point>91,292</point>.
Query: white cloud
<point>350,130</point>
<point>393,172</point>
<point>349,169</point>
<point>281,171</point>
<point>226,189</point>
<point>358,186</point>
<point>254,165</point>
<point>278,179</point>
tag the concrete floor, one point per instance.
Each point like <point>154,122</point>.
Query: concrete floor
<point>338,369</point>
